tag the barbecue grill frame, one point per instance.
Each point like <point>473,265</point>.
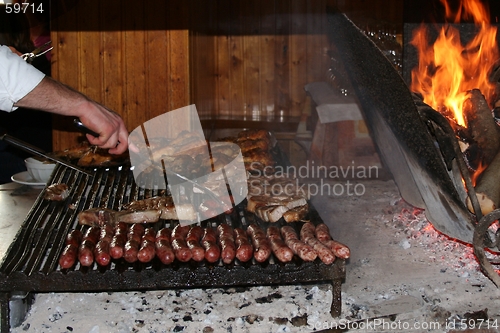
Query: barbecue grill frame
<point>47,224</point>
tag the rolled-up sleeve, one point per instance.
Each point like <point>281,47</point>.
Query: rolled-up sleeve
<point>17,78</point>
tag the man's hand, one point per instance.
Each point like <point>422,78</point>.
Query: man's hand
<point>108,124</point>
<point>52,96</point>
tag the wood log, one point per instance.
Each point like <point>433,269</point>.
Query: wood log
<point>488,188</point>
<point>482,125</point>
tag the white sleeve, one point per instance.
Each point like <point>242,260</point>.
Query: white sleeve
<point>17,78</point>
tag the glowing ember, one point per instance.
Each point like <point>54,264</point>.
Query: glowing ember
<point>447,70</point>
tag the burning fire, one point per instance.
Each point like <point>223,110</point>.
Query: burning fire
<point>447,70</point>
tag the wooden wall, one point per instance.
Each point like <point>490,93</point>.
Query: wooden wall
<point>233,59</point>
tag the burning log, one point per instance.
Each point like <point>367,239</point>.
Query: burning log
<point>487,188</point>
<point>482,126</point>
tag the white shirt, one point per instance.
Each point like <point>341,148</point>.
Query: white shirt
<point>17,78</point>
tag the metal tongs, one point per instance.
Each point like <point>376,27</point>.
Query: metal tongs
<point>39,51</point>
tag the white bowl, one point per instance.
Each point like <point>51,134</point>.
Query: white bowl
<point>39,170</point>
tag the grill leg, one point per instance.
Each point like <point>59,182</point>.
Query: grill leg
<point>4,312</point>
<point>336,308</point>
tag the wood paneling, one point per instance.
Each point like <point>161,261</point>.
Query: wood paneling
<point>233,59</point>
<point>123,54</point>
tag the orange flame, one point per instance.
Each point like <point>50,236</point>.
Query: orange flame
<point>479,170</point>
<point>447,70</point>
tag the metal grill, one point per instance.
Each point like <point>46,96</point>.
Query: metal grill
<point>31,263</point>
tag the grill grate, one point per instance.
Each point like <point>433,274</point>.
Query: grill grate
<point>31,263</point>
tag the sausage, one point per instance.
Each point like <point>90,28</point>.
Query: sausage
<point>92,234</point>
<point>179,245</point>
<point>209,243</point>
<point>244,250</point>
<point>303,250</point>
<point>101,250</point>
<point>74,237</point>
<point>307,236</point>
<point>135,232</point>
<point>322,232</point>
<point>86,248</point>
<point>86,252</point>
<point>339,250</point>
<point>226,241</point>
<point>68,256</point>
<point>278,246</point>
<point>164,233</point>
<point>147,249</point>
<point>193,242</point>
<point>163,247</point>
<point>134,237</point>
<point>130,250</point>
<point>106,233</point>
<point>323,235</point>
<point>118,241</point>
<point>164,250</point>
<point>262,246</point>
<point>101,253</point>
<point>70,252</point>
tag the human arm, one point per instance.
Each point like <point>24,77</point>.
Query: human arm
<point>52,96</point>
<point>22,85</point>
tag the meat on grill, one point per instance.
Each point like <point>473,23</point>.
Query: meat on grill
<point>307,235</point>
<point>184,243</point>
<point>118,241</point>
<point>140,211</point>
<point>244,248</point>
<point>280,249</point>
<point>274,197</point>
<point>226,241</point>
<point>193,238</point>
<point>303,250</point>
<point>209,243</point>
<point>164,250</point>
<point>323,235</point>
<point>56,192</point>
<point>261,244</point>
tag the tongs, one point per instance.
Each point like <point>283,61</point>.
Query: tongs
<point>39,152</point>
<point>39,51</point>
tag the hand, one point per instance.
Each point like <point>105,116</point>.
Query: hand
<point>52,96</point>
<point>108,124</point>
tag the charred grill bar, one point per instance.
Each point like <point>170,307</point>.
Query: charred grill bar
<point>31,263</point>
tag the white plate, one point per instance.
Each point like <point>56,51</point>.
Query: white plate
<point>25,179</point>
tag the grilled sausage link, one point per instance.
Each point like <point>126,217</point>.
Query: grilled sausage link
<point>193,242</point>
<point>68,256</point>
<point>86,249</point>
<point>133,243</point>
<point>70,252</point>
<point>164,250</point>
<point>322,232</point>
<point>209,243</point>
<point>262,246</point>
<point>244,250</point>
<point>226,241</point>
<point>179,245</point>
<point>147,250</point>
<point>280,250</point>
<point>101,251</point>
<point>74,237</point>
<point>323,235</point>
<point>303,250</point>
<point>118,241</point>
<point>307,236</point>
